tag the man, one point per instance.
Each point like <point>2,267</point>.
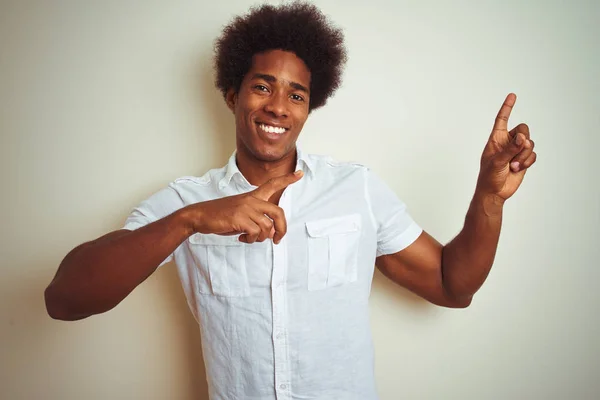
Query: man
<point>276,250</point>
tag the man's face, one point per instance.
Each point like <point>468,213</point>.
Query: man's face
<point>271,105</point>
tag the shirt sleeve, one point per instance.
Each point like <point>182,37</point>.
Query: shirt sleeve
<point>157,206</point>
<point>396,229</point>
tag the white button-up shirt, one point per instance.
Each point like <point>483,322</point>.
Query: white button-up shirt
<point>288,321</point>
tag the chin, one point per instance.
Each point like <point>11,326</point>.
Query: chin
<point>266,153</point>
<point>270,154</point>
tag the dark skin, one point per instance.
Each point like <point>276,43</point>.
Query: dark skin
<point>96,276</point>
<point>274,92</point>
<point>450,275</point>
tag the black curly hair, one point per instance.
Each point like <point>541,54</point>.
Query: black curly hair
<point>298,27</point>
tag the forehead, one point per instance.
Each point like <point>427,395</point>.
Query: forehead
<point>283,65</point>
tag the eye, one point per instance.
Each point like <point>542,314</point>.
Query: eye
<point>262,88</point>
<point>297,97</point>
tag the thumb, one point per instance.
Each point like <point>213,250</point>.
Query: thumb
<point>511,150</point>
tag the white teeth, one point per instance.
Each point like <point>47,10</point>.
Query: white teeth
<point>272,129</point>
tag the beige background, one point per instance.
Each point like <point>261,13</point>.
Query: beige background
<point>103,103</point>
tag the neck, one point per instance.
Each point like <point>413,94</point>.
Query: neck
<point>258,171</point>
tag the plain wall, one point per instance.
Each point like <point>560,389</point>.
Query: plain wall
<point>104,103</point>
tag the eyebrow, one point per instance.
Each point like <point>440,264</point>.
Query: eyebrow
<point>272,79</point>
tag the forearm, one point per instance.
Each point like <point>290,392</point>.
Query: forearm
<point>468,258</point>
<point>98,275</point>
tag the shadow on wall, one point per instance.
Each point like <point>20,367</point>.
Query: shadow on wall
<point>211,103</point>
<point>400,295</point>
<point>54,359</point>
<point>190,342</point>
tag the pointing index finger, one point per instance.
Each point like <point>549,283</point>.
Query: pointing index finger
<point>501,122</point>
<point>272,186</point>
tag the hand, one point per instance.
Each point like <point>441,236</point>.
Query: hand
<point>506,157</point>
<point>249,214</point>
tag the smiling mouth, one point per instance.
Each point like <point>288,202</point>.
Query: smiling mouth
<point>272,129</point>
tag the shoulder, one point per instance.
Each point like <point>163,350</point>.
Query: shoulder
<point>329,163</point>
<point>192,189</point>
<point>208,179</point>
<point>203,180</point>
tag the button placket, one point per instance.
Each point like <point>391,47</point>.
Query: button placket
<point>279,299</point>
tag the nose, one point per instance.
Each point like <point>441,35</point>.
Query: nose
<point>276,105</point>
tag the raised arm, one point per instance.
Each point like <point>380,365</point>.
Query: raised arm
<point>450,275</point>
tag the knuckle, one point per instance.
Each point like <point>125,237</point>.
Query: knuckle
<point>281,216</point>
<point>266,222</point>
<point>529,162</point>
<point>524,154</point>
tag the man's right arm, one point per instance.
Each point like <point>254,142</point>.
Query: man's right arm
<point>96,276</point>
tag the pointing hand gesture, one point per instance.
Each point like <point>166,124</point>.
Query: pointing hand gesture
<point>249,214</point>
<point>507,155</point>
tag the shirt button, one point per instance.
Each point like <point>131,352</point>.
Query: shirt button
<point>279,336</point>
<point>282,387</point>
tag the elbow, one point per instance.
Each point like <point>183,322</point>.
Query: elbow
<point>446,300</point>
<point>456,296</point>
<point>463,302</point>
<point>451,300</point>
<point>57,308</point>
<point>54,307</point>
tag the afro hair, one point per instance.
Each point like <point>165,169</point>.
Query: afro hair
<point>298,27</point>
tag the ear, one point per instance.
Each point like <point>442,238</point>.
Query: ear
<point>231,99</point>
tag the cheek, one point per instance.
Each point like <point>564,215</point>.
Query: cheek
<point>250,103</point>
<point>243,112</point>
<point>301,118</point>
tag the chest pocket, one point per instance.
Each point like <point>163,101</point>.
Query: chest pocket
<point>221,265</point>
<point>333,251</point>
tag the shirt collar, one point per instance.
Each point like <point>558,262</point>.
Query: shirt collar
<point>231,169</point>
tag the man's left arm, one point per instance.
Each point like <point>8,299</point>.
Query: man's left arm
<point>450,275</point>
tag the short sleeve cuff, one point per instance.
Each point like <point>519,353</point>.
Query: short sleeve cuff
<point>132,225</point>
<point>401,241</point>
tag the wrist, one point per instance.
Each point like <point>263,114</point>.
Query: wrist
<point>488,203</point>
<point>185,221</point>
